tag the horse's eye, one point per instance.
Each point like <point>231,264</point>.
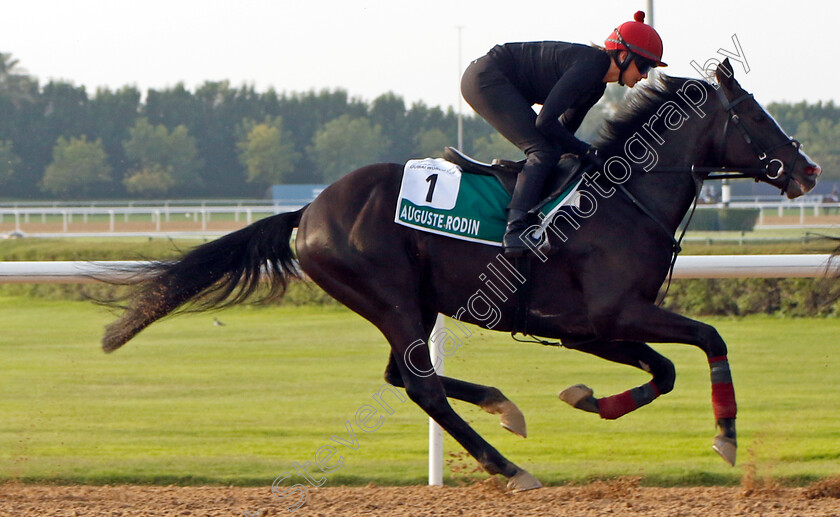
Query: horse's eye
<point>759,118</point>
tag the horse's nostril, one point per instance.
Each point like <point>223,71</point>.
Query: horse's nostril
<point>813,170</point>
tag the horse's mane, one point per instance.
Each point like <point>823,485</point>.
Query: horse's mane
<point>639,106</point>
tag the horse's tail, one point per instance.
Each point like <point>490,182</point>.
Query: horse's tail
<point>217,274</point>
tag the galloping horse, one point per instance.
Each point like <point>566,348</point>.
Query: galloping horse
<point>596,294</point>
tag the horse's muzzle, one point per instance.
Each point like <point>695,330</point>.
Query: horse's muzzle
<point>813,170</point>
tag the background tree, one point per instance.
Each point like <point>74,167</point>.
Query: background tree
<point>15,85</point>
<point>430,143</point>
<point>8,162</point>
<point>149,182</point>
<point>606,108</point>
<point>345,144</point>
<point>488,148</point>
<point>388,112</point>
<point>205,125</point>
<point>19,115</point>
<point>421,118</point>
<point>817,126</point>
<point>267,151</point>
<point>823,144</point>
<point>77,167</point>
<point>110,115</point>
<point>156,152</point>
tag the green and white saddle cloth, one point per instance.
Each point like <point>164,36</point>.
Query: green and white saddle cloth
<point>436,197</point>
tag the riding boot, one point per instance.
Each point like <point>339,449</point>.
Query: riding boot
<point>512,243</point>
<point>526,194</point>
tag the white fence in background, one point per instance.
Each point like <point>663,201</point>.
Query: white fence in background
<point>687,266</point>
<point>199,214</point>
<point>767,210</point>
<point>191,218</point>
<point>695,266</point>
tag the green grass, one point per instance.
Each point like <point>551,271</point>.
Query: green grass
<point>764,241</point>
<point>104,248</point>
<point>190,402</point>
<point>135,248</point>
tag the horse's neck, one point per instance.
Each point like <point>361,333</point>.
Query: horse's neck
<point>669,195</point>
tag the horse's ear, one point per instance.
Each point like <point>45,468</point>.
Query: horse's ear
<point>724,74</point>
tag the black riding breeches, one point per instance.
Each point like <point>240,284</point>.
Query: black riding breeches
<point>497,101</point>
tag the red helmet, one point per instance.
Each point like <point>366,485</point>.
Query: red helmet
<point>638,38</point>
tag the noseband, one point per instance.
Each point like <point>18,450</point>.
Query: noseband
<point>762,153</point>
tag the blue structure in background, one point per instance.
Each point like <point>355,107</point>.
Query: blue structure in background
<point>295,194</point>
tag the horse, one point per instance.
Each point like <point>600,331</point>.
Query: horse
<point>596,291</point>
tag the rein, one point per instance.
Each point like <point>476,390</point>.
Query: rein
<point>711,173</point>
<point>762,153</point>
<point>718,173</point>
<point>676,243</point>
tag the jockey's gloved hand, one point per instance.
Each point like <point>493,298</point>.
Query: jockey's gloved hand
<point>595,158</point>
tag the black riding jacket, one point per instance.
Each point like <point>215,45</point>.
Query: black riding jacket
<point>567,79</point>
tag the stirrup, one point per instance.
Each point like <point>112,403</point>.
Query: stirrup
<point>513,243</point>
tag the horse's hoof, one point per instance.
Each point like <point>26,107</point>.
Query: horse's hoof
<point>727,448</point>
<point>523,481</point>
<point>581,397</point>
<point>511,418</point>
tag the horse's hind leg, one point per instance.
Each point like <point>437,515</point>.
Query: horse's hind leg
<point>631,353</point>
<point>488,398</point>
<point>411,357</point>
<point>407,327</point>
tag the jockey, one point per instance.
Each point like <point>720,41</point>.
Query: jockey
<point>567,79</point>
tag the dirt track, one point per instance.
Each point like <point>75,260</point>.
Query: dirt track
<point>620,498</point>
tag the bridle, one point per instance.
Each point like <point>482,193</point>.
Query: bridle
<point>714,173</point>
<point>763,152</point>
<point>771,169</point>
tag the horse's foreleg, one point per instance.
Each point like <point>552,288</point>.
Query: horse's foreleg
<point>631,353</point>
<point>488,398</point>
<point>725,408</point>
<point>656,325</point>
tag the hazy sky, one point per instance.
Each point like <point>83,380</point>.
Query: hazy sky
<point>369,47</point>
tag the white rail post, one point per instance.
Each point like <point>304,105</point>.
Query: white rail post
<point>435,431</point>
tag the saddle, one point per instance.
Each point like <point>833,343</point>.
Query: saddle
<point>568,170</point>
<point>569,167</point>
<point>503,170</point>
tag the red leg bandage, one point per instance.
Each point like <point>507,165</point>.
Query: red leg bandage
<point>723,393</point>
<point>615,406</point>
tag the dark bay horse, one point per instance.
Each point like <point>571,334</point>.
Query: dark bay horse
<point>596,294</point>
